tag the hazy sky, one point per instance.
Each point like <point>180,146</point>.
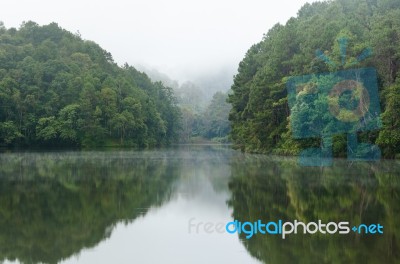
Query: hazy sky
<point>182,38</point>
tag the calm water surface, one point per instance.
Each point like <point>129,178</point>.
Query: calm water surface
<point>152,207</point>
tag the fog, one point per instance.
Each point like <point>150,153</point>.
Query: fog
<point>184,39</point>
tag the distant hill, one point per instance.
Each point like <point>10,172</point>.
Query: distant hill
<point>204,115</point>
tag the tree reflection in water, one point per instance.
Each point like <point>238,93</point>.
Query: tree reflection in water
<point>270,189</point>
<point>53,205</point>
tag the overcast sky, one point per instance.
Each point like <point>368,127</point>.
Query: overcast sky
<point>182,38</point>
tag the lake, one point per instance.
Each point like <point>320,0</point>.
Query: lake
<point>172,206</point>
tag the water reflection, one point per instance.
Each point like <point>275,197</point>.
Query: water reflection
<point>53,205</point>
<point>163,234</point>
<point>270,188</point>
<point>134,207</point>
<point>116,207</point>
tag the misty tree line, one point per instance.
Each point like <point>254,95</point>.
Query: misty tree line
<point>59,90</point>
<point>210,123</point>
<point>204,109</point>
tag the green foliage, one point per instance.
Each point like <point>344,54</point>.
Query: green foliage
<point>210,124</point>
<point>9,132</point>
<point>259,115</point>
<point>389,137</point>
<point>215,118</point>
<point>59,90</point>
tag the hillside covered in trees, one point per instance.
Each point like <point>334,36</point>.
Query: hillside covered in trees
<point>57,89</point>
<point>210,123</point>
<point>203,119</point>
<point>260,114</point>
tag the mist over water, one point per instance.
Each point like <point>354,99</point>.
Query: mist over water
<point>151,207</point>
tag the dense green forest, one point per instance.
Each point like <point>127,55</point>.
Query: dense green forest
<point>57,89</point>
<point>260,112</point>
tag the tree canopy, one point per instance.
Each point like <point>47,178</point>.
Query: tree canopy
<point>57,89</point>
<point>312,43</point>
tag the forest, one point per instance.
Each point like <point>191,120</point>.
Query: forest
<point>324,37</point>
<point>204,107</point>
<point>57,89</point>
